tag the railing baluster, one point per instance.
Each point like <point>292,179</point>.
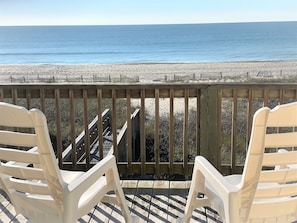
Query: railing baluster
<point>142,133</point>
<point>250,114</point>
<point>114,123</point>
<point>219,124</point>
<point>72,127</point>
<point>234,130</point>
<point>99,123</point>
<point>281,96</point>
<point>1,95</point>
<point>265,97</point>
<point>171,132</point>
<point>14,96</point>
<point>42,100</point>
<point>129,131</point>
<point>58,125</point>
<point>186,132</point>
<point>156,135</point>
<point>28,98</point>
<point>86,128</point>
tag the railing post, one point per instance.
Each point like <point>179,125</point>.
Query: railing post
<point>209,125</point>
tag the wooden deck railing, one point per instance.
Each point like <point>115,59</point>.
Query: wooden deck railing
<point>176,122</point>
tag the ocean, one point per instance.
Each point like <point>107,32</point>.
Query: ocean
<point>184,43</point>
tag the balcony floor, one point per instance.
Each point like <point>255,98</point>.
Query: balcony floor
<point>151,201</point>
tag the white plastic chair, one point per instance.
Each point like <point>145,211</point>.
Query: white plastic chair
<point>267,189</point>
<point>42,192</point>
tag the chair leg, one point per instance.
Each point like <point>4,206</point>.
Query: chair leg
<point>195,197</point>
<point>190,204</point>
<point>123,205</point>
<point>113,175</point>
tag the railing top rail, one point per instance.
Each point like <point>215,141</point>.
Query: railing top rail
<point>147,85</point>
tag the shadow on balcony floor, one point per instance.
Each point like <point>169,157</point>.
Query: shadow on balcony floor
<point>151,201</point>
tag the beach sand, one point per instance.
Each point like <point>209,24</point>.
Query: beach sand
<point>148,72</point>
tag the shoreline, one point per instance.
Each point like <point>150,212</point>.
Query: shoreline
<point>148,72</point>
<point>147,63</point>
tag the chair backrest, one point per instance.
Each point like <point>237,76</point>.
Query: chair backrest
<point>28,167</point>
<point>269,185</point>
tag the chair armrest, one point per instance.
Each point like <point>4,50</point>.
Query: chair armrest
<point>215,178</point>
<point>87,179</point>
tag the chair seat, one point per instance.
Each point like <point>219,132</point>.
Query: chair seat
<point>216,202</point>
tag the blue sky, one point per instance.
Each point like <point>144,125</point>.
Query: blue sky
<point>98,12</point>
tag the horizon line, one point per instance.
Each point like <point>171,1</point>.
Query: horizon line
<point>148,24</point>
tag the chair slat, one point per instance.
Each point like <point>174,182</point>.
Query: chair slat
<point>28,186</point>
<point>278,176</point>
<point>272,208</point>
<point>19,156</point>
<point>17,139</point>
<point>276,190</point>
<point>279,140</point>
<point>15,117</point>
<point>272,159</point>
<point>45,202</point>
<point>17,171</point>
<point>283,117</point>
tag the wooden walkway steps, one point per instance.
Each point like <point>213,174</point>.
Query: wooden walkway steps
<point>151,201</point>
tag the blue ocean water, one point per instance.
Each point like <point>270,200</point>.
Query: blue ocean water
<point>148,43</point>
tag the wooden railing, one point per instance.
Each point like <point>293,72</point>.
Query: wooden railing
<point>176,122</point>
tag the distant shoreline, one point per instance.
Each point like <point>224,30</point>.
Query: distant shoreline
<point>146,72</point>
<point>148,63</point>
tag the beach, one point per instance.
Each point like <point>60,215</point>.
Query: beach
<point>147,72</point>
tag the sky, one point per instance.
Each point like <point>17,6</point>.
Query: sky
<point>122,12</point>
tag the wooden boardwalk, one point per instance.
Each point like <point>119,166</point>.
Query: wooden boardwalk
<point>151,201</point>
